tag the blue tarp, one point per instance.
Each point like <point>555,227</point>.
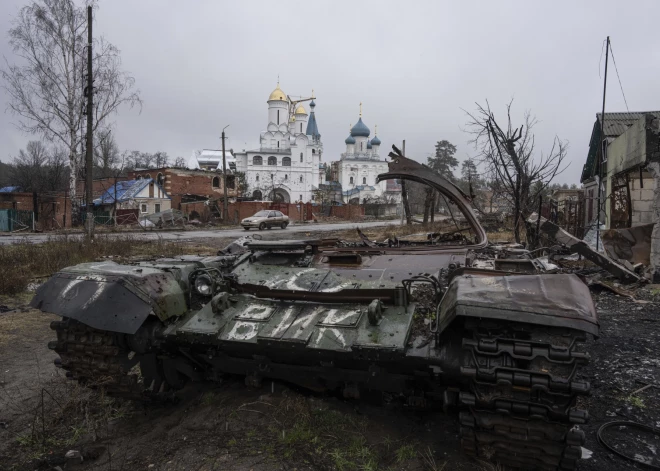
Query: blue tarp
<point>10,189</point>
<point>126,190</point>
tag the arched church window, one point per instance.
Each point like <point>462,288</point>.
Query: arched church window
<point>361,145</point>
<point>300,127</point>
<point>216,182</point>
<point>256,179</point>
<point>313,151</point>
<point>351,181</point>
<point>278,116</point>
<point>160,179</point>
<point>257,160</point>
<point>139,177</point>
<point>257,195</point>
<point>147,175</point>
<point>278,144</point>
<point>301,156</point>
<point>301,179</point>
<point>286,162</point>
<point>300,198</point>
<point>272,160</point>
<point>286,177</point>
<point>364,180</point>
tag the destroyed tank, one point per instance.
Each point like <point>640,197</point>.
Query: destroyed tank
<point>502,349</point>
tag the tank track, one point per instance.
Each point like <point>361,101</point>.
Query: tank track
<point>97,359</point>
<point>523,386</point>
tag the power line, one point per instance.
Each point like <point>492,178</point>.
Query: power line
<point>617,76</point>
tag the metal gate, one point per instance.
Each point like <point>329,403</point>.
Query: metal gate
<point>12,220</point>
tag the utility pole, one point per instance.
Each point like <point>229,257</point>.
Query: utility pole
<point>89,93</point>
<point>404,194</point>
<point>602,146</point>
<point>225,208</point>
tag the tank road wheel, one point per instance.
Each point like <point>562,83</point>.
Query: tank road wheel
<point>284,224</point>
<point>523,382</point>
<point>262,226</point>
<point>101,359</point>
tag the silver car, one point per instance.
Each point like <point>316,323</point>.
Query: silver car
<point>266,219</point>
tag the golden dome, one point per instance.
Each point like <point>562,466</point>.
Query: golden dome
<point>301,109</point>
<point>277,94</point>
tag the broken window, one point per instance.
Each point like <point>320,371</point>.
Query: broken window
<point>216,182</point>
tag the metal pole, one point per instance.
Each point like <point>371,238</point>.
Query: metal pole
<point>89,92</point>
<point>403,186</point>
<point>602,148</point>
<point>225,208</point>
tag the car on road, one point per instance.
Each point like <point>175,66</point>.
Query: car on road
<point>265,219</point>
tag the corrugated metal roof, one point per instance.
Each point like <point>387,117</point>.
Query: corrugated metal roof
<point>358,189</point>
<point>126,190</point>
<point>617,123</point>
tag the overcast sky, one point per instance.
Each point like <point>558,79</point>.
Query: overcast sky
<point>201,65</point>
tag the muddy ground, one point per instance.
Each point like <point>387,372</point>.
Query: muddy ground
<point>229,426</point>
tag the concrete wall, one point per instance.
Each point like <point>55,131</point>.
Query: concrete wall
<point>628,152</point>
<point>641,197</point>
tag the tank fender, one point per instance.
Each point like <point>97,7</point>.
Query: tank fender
<point>110,301</point>
<point>554,300</point>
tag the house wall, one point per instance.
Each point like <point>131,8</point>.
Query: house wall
<point>628,152</point>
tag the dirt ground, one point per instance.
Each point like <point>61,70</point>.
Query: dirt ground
<point>231,427</point>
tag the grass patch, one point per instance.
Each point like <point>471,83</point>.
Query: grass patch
<point>57,418</point>
<point>331,440</point>
<point>24,261</point>
<point>636,402</point>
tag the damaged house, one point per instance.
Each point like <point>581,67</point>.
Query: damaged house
<point>630,157</point>
<point>144,195</point>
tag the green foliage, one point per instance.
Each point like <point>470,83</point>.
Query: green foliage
<point>405,452</point>
<point>444,161</point>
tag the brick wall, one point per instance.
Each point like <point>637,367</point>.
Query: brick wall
<point>99,186</point>
<point>50,210</point>
<point>179,182</point>
<point>347,211</point>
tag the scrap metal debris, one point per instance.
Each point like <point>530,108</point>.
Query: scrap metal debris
<point>578,246</point>
<point>632,244</point>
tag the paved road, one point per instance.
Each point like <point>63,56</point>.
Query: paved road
<point>204,234</point>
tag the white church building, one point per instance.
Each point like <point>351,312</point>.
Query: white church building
<point>287,165</point>
<point>360,164</point>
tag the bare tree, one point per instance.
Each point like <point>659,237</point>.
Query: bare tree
<point>509,155</point>
<point>106,154</point>
<point>161,159</point>
<point>46,88</point>
<point>38,169</point>
<point>180,162</point>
